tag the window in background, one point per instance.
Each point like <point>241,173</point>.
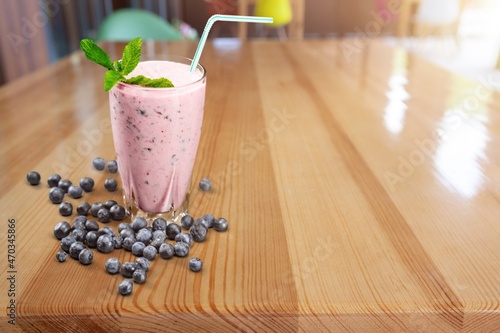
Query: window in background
<point>41,31</point>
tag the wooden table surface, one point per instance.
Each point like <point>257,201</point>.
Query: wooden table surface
<point>361,185</point>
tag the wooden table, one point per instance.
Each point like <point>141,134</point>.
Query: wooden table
<point>362,194</point>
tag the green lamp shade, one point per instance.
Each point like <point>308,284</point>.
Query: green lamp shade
<point>278,9</point>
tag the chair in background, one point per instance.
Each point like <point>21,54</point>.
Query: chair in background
<point>295,27</point>
<point>438,18</point>
<point>423,18</point>
<point>280,10</point>
<point>126,24</point>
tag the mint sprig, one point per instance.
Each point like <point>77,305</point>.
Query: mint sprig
<point>95,53</point>
<point>118,69</point>
<point>131,56</point>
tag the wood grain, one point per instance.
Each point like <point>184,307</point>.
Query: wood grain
<point>301,141</point>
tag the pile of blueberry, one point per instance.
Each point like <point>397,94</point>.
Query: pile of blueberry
<point>60,187</point>
<point>145,242</point>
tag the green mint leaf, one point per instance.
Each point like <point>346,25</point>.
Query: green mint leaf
<point>147,82</point>
<point>131,55</point>
<point>118,69</point>
<point>117,65</point>
<point>111,78</point>
<point>140,80</point>
<point>159,83</point>
<point>94,53</point>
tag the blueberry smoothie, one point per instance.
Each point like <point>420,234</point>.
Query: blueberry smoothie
<point>156,133</point>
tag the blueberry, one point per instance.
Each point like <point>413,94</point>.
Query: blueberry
<point>172,230</point>
<point>220,224</point>
<point>110,203</point>
<point>91,225</point>
<point>143,235</point>
<point>66,208</point>
<point>62,229</point>
<point>86,256</point>
<point>106,231</point>
<point>209,218</point>
<point>79,234</point>
<point>75,249</point>
<point>53,180</point>
<point>149,252</point>
<point>105,244</point>
<point>75,191</point>
<point>99,163</point>
<point>143,263</point>
<point>138,223</point>
<point>117,212</point>
<point>87,184</point>
<point>91,239</point>
<point>83,208</point>
<point>110,184</point>
<point>187,221</point>
<point>61,256</point>
<point>94,209</point>
<point>184,237</point>
<point>64,185</point>
<point>202,222</point>
<point>128,242</point>
<point>139,276</point>
<point>104,215</point>
<point>199,232</point>
<point>56,195</point>
<point>125,287</point>
<point>129,268</point>
<point>112,166</point>
<point>123,226</point>
<point>79,222</point>
<point>138,248</point>
<point>112,265</point>
<point>66,243</point>
<point>181,249</point>
<point>33,178</point>
<point>205,184</point>
<point>117,242</point>
<point>159,234</point>
<point>156,242</point>
<point>159,224</point>
<point>166,251</point>
<point>195,264</point>
<point>127,233</point>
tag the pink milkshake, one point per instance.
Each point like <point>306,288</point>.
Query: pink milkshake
<point>156,133</point>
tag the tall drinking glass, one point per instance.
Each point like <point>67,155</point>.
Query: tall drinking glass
<point>156,132</point>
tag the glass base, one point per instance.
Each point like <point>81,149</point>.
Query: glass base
<point>171,215</point>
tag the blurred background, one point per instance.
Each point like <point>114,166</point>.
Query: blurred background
<point>462,35</point>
